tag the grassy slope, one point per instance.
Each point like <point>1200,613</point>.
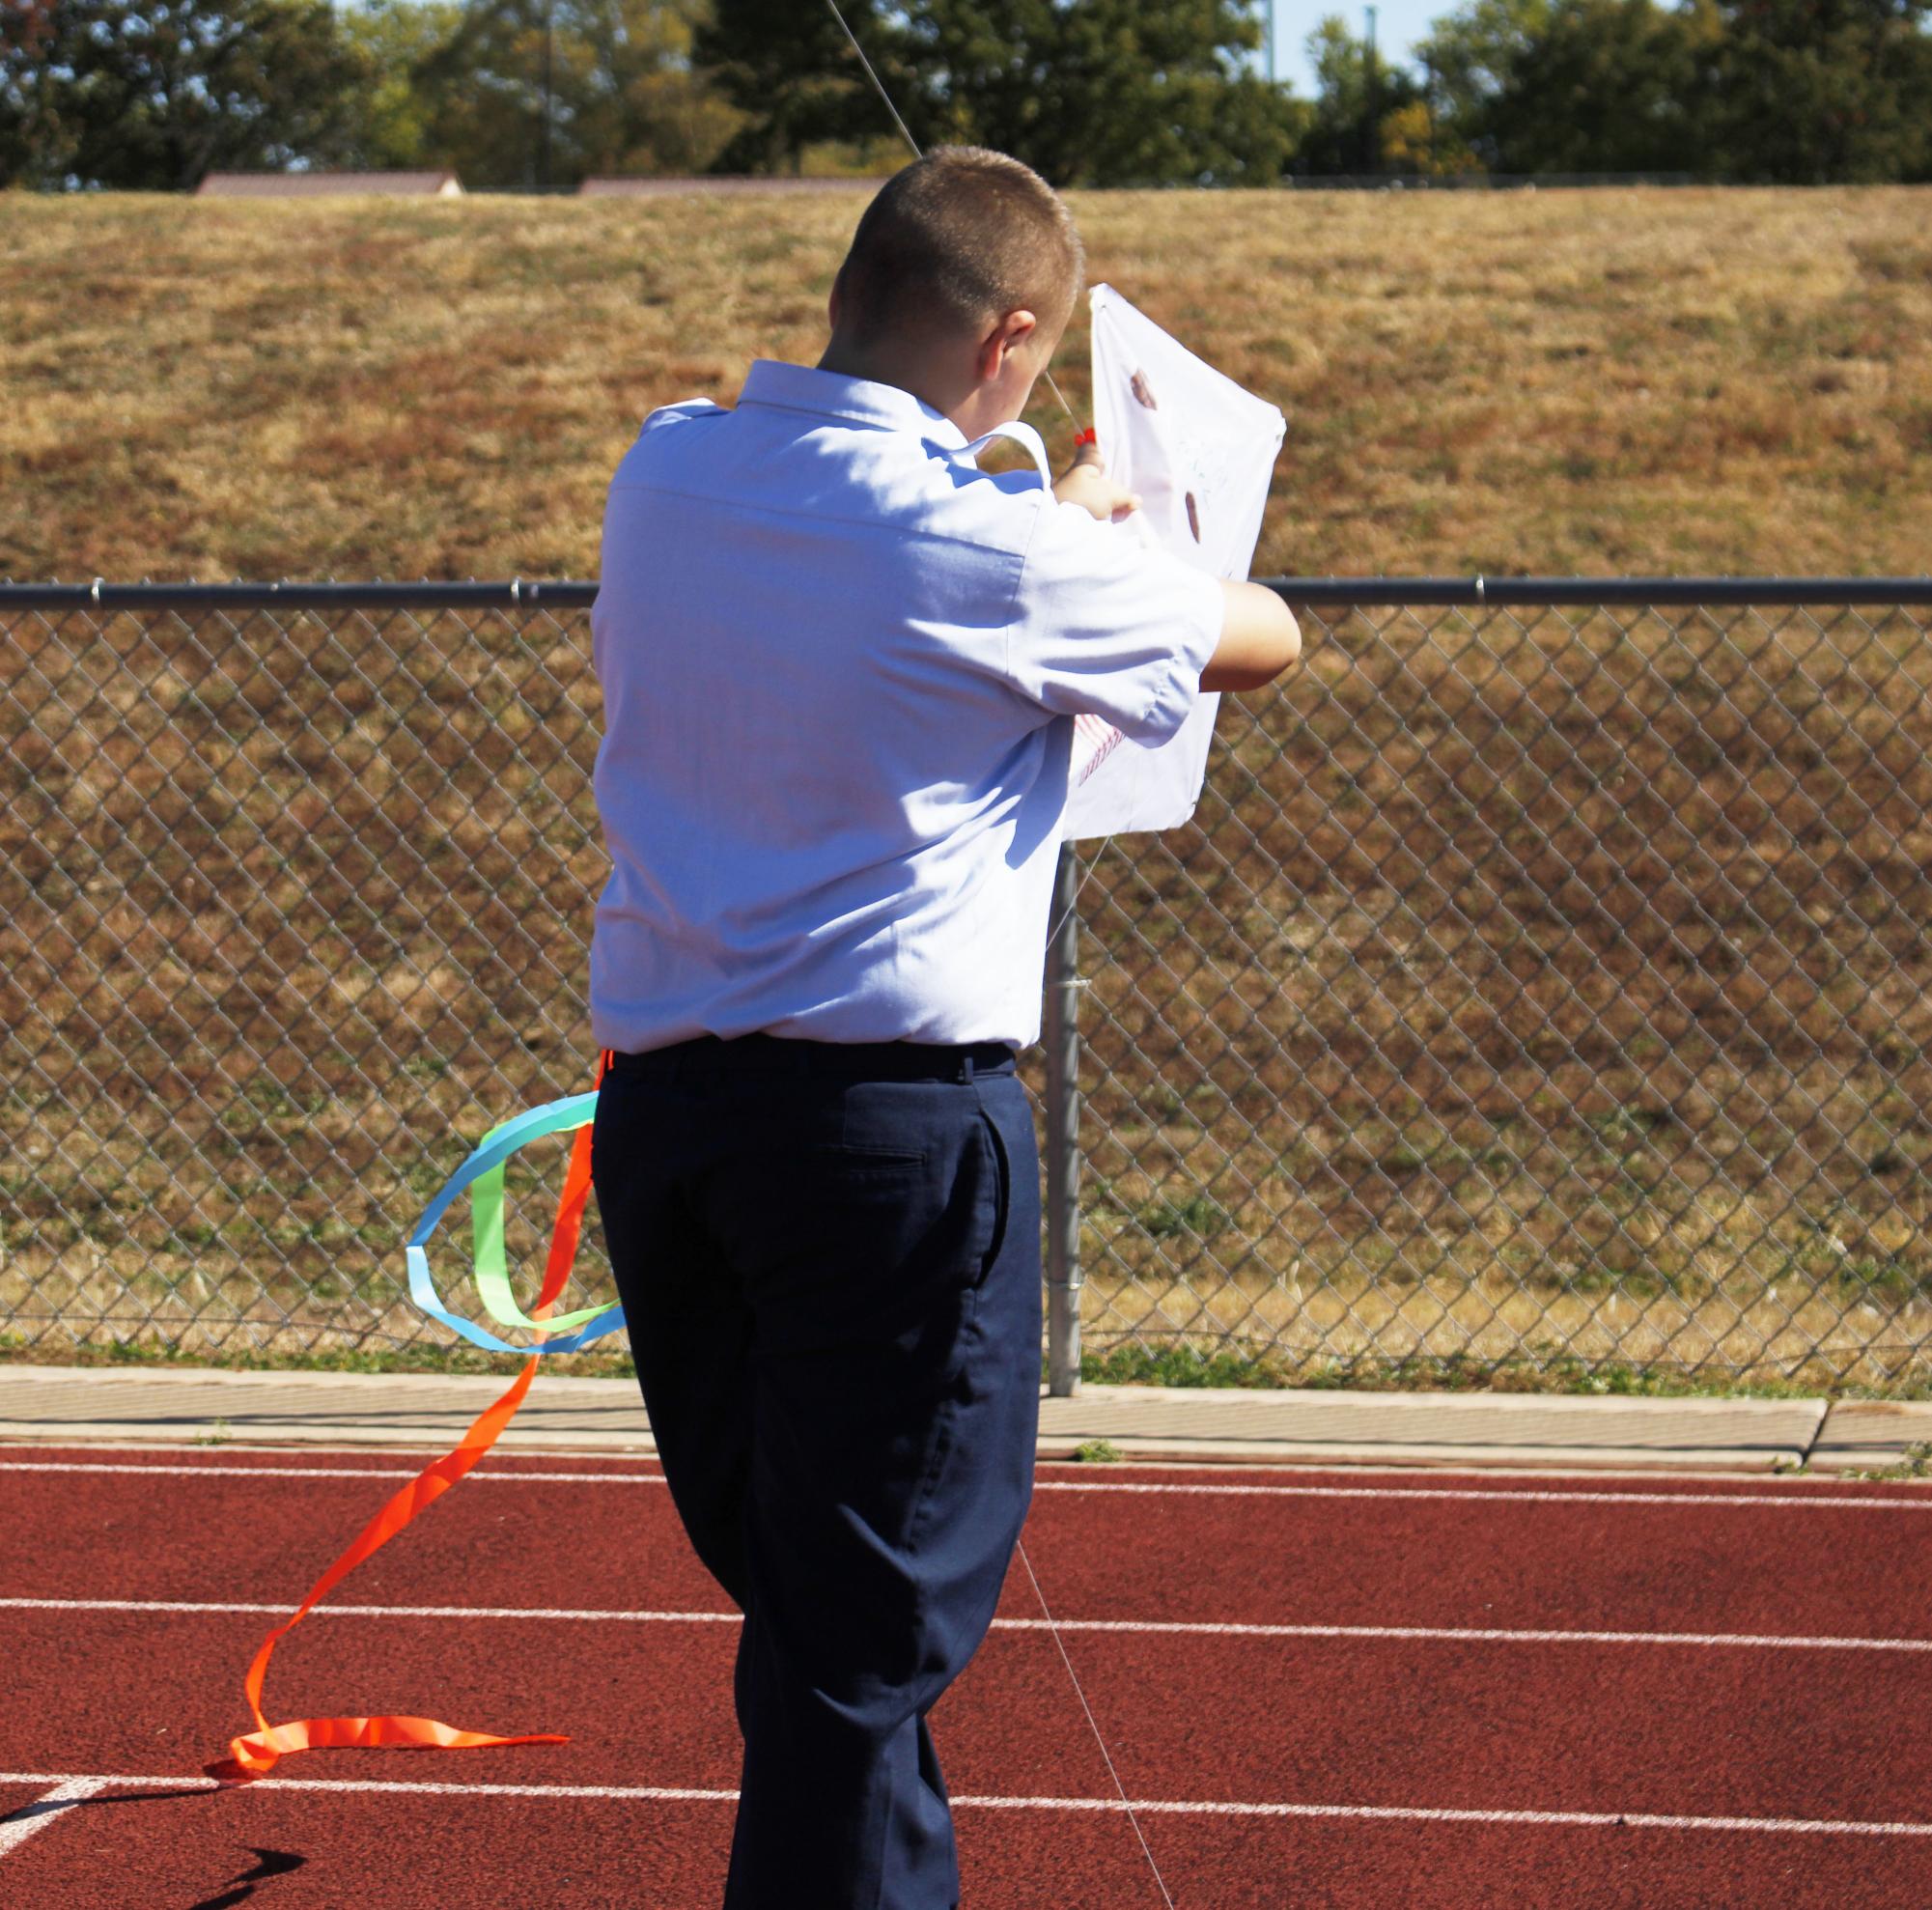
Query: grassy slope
<point>1601,382</point>
<point>1597,382</point>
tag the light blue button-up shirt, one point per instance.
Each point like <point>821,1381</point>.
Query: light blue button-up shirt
<point>840,667</point>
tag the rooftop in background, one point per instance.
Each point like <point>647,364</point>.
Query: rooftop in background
<point>644,187</point>
<point>313,185</point>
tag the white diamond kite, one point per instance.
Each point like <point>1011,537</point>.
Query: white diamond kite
<point>1199,451</point>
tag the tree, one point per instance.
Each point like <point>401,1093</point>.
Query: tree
<point>1417,142</point>
<point>1797,91</point>
<point>394,112</point>
<point>1602,86</point>
<point>1103,93</point>
<point>643,104</point>
<point>1100,93</point>
<point>787,67</point>
<point>1809,91</point>
<point>518,93</point>
<point>1365,112</point>
<point>26,35</point>
<point>150,97</point>
<point>1470,55</point>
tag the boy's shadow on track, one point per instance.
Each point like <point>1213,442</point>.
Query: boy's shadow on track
<point>267,1863</point>
<point>237,1890</point>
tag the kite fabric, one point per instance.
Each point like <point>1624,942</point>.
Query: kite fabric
<point>1200,452</point>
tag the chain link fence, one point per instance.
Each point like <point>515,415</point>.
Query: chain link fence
<point>1541,986</point>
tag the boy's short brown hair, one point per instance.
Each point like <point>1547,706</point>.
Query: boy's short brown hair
<point>955,241</point>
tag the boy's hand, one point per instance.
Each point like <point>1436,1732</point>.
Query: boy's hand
<point>1086,485</point>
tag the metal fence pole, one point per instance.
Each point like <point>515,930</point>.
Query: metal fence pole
<point>1063,1134</point>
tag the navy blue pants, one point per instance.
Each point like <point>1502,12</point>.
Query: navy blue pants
<point>830,1260</point>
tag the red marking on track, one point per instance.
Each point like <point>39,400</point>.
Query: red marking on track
<point>1767,1568</point>
<point>1576,1728</point>
<point>467,1852</point>
<point>1763,1567</point>
<point>398,1853</point>
<point>1286,1724</point>
<point>126,1535</point>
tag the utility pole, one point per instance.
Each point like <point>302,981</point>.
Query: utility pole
<point>1372,156</point>
<point>1273,76</point>
<point>1429,96</point>
<point>549,51</point>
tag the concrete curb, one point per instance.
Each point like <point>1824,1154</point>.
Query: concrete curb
<point>422,1411</point>
<point>1861,1435</point>
<point>412,1411</point>
<point>1480,1430</point>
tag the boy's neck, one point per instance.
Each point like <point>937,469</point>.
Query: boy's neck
<point>944,387</point>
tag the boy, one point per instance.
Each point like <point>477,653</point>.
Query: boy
<point>840,668</point>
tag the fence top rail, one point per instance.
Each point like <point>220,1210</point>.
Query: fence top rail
<point>516,593</point>
<point>1338,593</point>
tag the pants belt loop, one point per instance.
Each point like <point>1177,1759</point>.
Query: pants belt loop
<point>966,1068</point>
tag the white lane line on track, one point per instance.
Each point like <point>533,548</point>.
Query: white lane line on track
<point>18,1826</point>
<point>559,1613</point>
<point>1135,1627</point>
<point>218,1472</point>
<point>1784,1501</point>
<point>235,1449</point>
<point>1787,1501</point>
<point>1256,1468</point>
<point>1170,1806</point>
<point>322,1472</point>
<point>1462,1635</point>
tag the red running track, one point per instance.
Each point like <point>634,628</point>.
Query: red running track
<point>1320,1690</point>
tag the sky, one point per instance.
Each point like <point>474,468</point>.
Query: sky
<point>1398,25</point>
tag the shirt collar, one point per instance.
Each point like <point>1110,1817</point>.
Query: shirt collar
<point>834,395</point>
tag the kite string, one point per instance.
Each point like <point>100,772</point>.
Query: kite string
<point>1072,1676</point>
<point>905,131</point>
<point>1052,384</point>
<point>1161,1882</point>
<point>1079,890</point>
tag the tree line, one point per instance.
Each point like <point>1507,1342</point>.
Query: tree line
<point>530,94</point>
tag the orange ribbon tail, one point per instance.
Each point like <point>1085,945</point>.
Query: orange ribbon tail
<point>255,1753</point>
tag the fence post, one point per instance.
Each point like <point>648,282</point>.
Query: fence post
<point>1063,1134</point>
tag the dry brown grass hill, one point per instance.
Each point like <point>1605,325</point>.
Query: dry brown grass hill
<point>1635,380</point>
<point>1553,983</point>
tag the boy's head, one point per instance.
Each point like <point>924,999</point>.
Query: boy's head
<point>966,257</point>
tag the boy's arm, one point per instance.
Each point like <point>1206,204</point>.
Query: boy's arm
<point>1259,639</point>
<point>1259,635</point>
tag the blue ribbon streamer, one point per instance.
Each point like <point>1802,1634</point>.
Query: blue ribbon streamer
<point>495,1148</point>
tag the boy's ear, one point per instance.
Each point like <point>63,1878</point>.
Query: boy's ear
<point>1009,334</point>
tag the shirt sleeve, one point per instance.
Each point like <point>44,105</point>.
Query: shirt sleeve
<point>1106,625</point>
